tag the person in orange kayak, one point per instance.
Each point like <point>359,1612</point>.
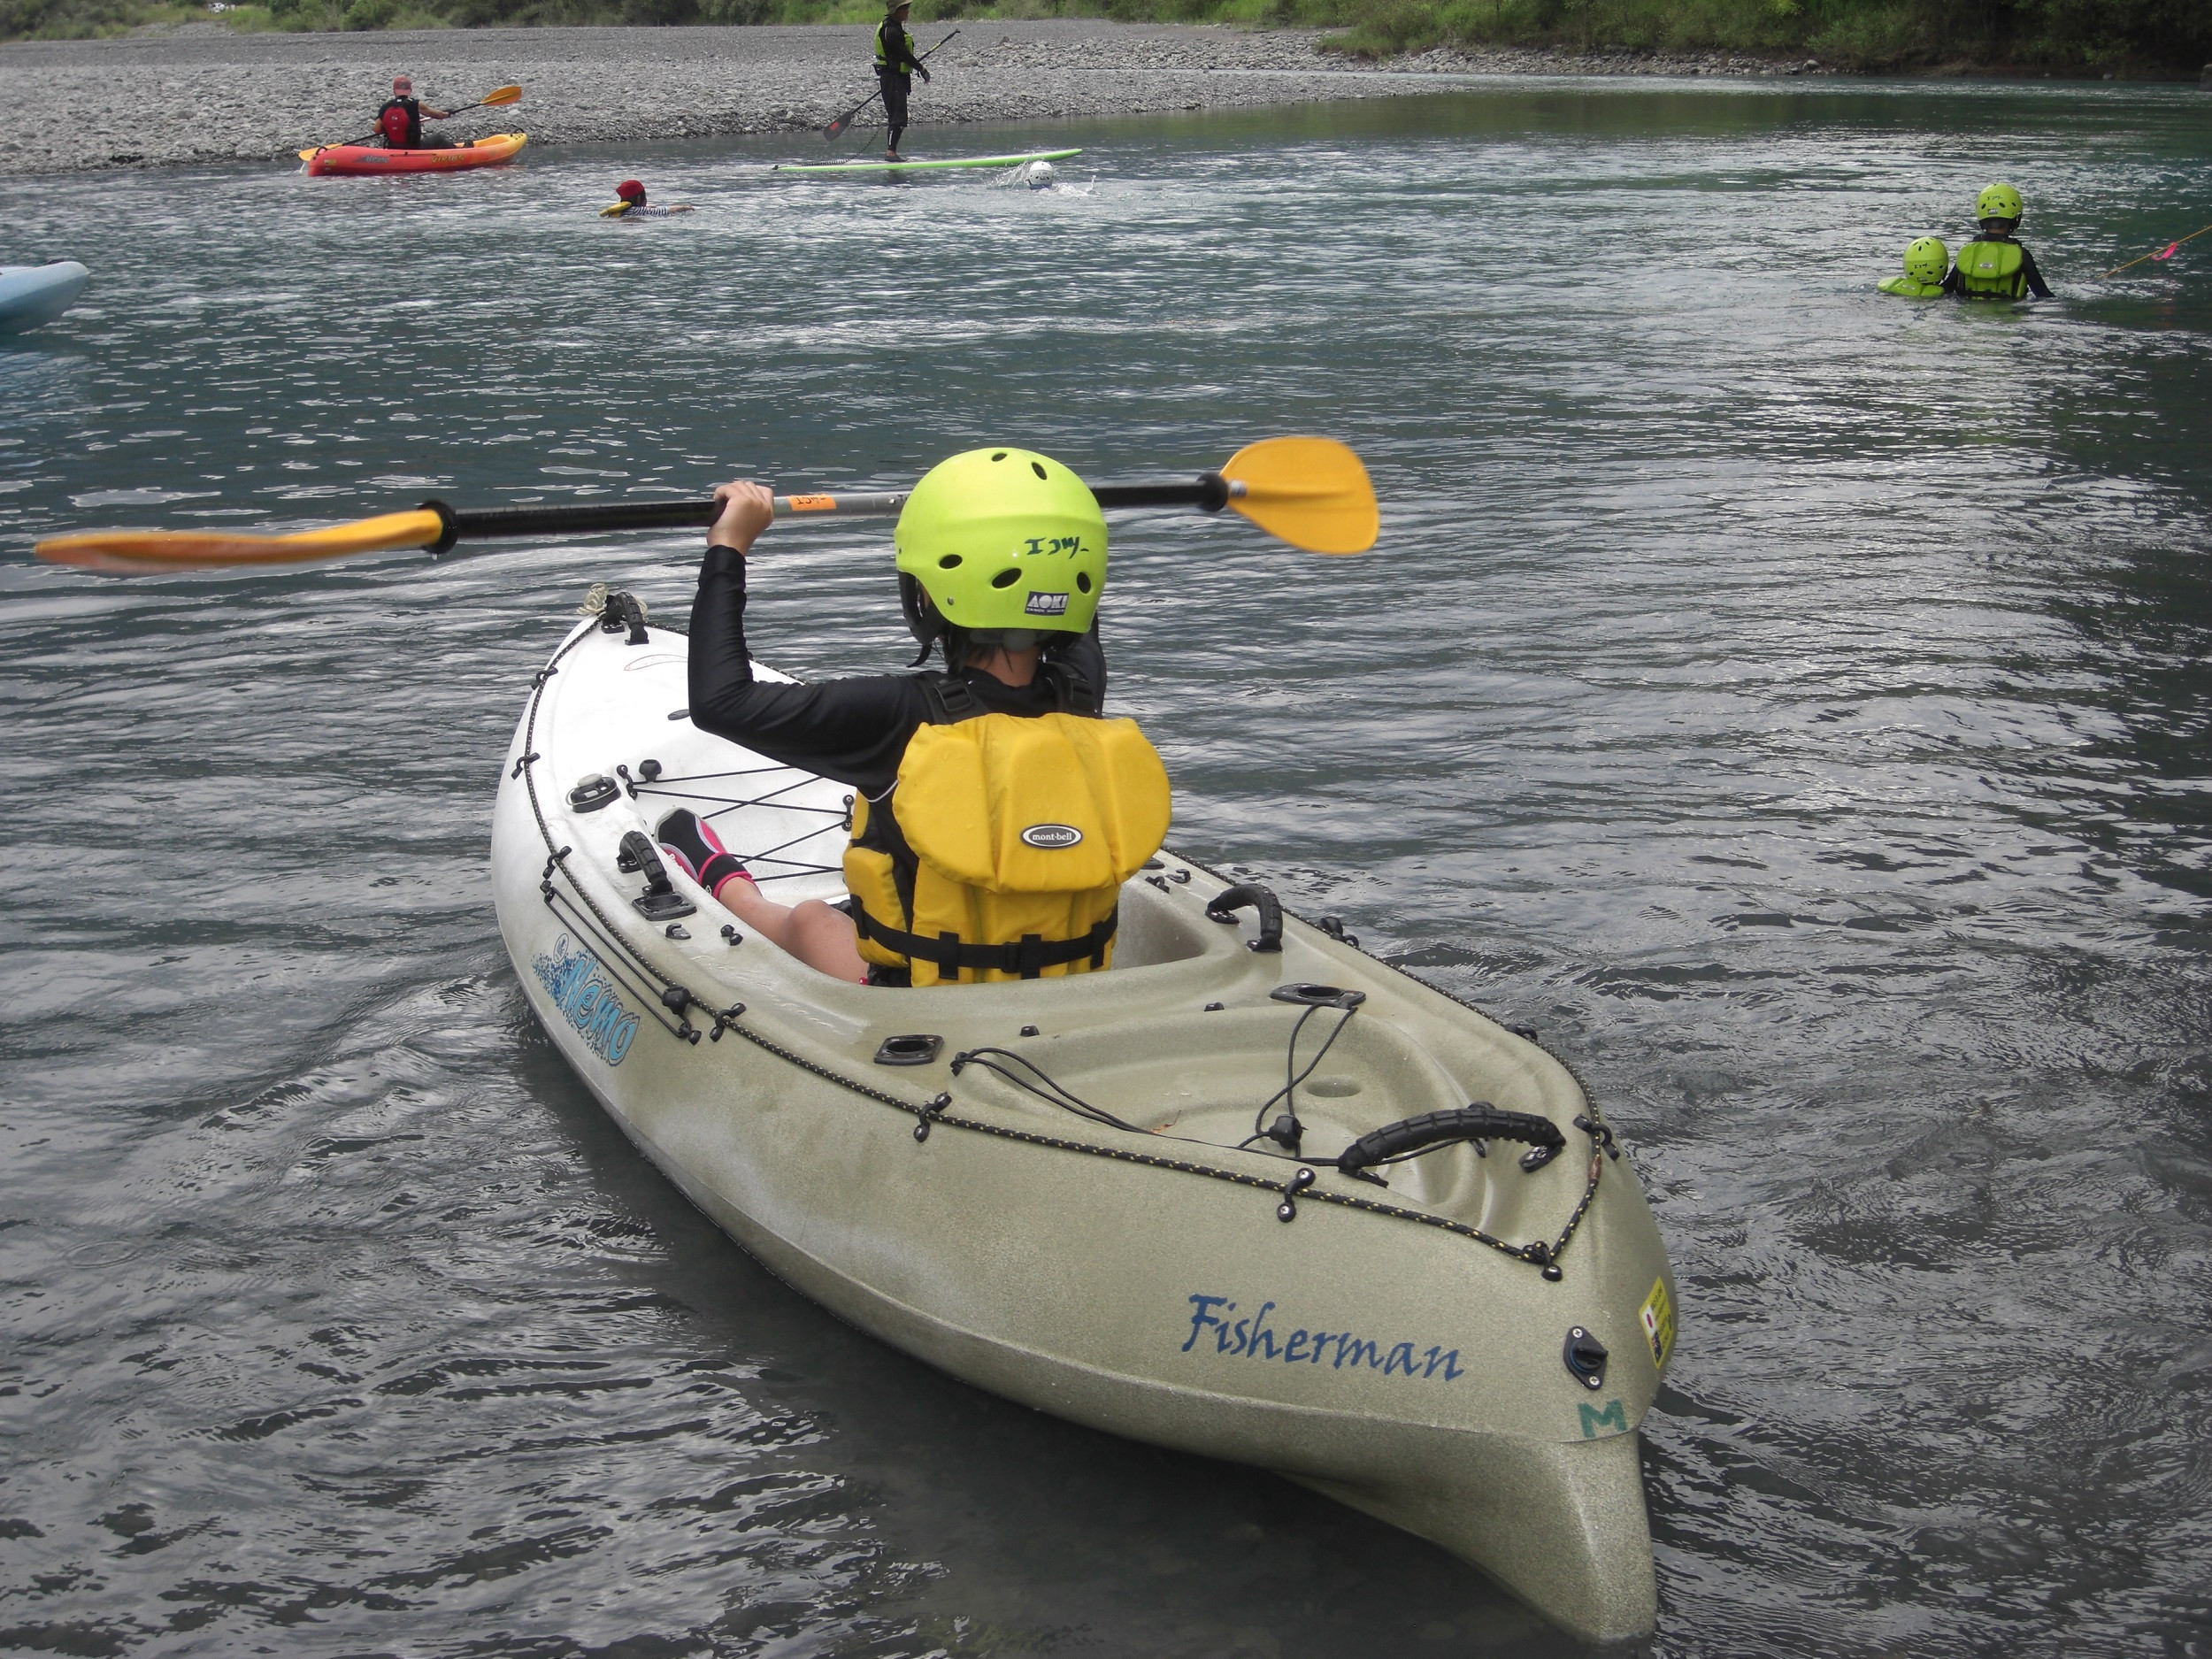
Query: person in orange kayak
<point>400,121</point>
<point>632,203</point>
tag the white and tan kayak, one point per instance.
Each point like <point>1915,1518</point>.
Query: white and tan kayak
<point>1435,1294</point>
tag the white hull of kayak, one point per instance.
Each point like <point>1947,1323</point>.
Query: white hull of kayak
<point>31,295</point>
<point>1136,1280</point>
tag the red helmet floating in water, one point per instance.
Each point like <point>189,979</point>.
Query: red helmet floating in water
<point>630,190</point>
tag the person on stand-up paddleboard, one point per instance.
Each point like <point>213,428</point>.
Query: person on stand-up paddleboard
<point>996,811</point>
<point>896,65</point>
<point>400,121</point>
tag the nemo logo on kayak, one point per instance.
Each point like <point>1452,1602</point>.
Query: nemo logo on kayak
<point>587,999</point>
<point>1257,1336</point>
<point>1052,837</point>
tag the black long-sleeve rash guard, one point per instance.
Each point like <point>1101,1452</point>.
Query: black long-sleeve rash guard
<point>855,731</point>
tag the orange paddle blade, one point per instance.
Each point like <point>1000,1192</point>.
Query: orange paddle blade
<point>505,94</point>
<point>145,551</point>
<point>1310,492</point>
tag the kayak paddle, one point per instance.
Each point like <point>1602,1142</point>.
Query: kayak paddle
<point>1310,492</point>
<point>846,119</point>
<point>501,95</point>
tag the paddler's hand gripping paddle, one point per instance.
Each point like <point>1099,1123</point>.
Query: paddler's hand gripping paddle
<point>1310,492</point>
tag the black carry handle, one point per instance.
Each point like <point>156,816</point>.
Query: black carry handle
<point>1478,1122</point>
<point>1225,904</point>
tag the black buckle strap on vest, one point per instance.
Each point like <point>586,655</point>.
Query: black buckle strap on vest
<point>948,698</point>
<point>1027,957</point>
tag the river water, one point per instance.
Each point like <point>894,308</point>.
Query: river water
<point>1792,701</point>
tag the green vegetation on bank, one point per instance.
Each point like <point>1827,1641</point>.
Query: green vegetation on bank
<point>2130,38</point>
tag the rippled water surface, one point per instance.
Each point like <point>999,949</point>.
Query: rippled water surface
<point>1793,701</point>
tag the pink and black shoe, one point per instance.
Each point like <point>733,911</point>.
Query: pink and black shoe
<point>699,850</point>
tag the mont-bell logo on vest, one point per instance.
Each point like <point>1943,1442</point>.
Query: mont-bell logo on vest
<point>1047,605</point>
<point>1052,837</point>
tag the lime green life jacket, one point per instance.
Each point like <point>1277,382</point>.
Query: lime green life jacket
<point>1912,287</point>
<point>887,55</point>
<point>1991,271</point>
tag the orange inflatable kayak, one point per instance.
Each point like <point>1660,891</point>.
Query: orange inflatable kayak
<point>366,158</point>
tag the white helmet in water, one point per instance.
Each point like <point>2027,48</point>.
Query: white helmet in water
<point>1038,175</point>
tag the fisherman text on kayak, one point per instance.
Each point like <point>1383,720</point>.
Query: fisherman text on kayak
<point>400,120</point>
<point>896,65</point>
<point>1019,809</point>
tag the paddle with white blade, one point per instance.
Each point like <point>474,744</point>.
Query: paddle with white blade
<point>1310,492</point>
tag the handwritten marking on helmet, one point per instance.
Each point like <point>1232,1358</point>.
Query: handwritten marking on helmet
<point>1049,545</point>
<point>1052,837</point>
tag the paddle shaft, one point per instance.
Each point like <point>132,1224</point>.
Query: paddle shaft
<point>836,128</point>
<point>1210,492</point>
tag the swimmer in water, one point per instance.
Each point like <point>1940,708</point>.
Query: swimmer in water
<point>1994,266</point>
<point>1038,175</point>
<point>1927,263</point>
<point>632,204</point>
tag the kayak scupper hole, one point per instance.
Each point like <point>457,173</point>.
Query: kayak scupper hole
<point>1331,1087</point>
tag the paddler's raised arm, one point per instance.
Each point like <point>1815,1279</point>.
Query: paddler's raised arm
<point>852,730</point>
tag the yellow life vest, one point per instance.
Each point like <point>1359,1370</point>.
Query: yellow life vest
<point>1991,271</point>
<point>894,47</point>
<point>1006,852</point>
<point>1912,287</point>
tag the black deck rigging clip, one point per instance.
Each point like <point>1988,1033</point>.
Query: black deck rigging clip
<point>1287,1210</point>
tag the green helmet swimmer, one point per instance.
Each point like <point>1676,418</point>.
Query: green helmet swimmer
<point>1004,544</point>
<point>1998,200</point>
<point>1927,260</point>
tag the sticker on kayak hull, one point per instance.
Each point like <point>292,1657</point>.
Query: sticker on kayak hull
<point>587,999</point>
<point>1658,1321</point>
<point>1597,1424</point>
<point>1215,1328</point>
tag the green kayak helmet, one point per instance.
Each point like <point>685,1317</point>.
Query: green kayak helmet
<point>1927,260</point>
<point>1006,544</point>
<point>1998,200</point>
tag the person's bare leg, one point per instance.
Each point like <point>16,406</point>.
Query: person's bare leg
<point>824,938</point>
<point>817,934</point>
<point>770,920</point>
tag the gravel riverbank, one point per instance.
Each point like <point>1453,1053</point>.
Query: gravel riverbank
<point>201,93</point>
